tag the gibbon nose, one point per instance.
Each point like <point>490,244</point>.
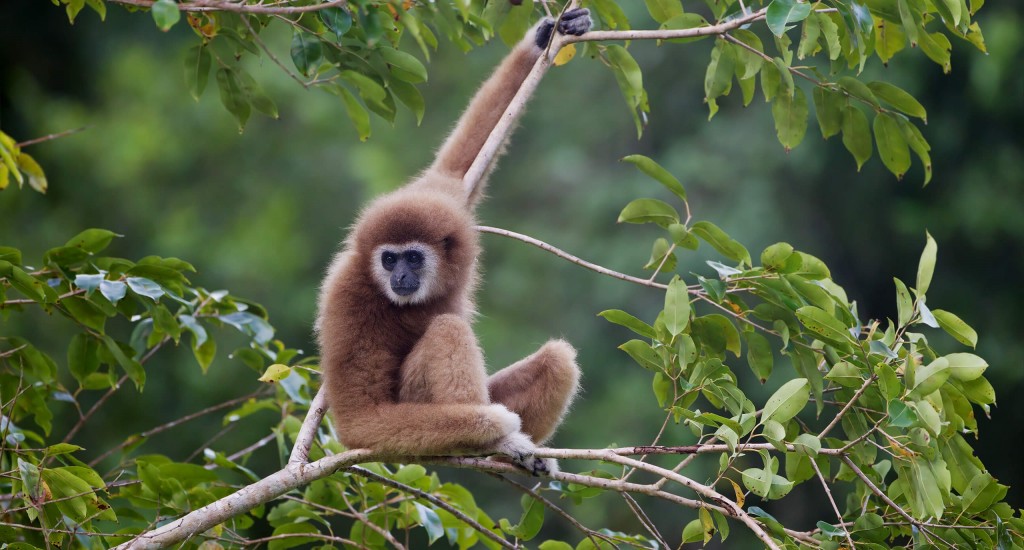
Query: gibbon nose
<point>404,282</point>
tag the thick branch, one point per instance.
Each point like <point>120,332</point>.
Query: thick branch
<point>247,498</point>
<point>307,433</point>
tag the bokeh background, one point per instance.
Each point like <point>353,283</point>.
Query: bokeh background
<point>260,213</point>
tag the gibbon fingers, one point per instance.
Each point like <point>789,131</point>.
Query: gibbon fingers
<point>402,368</point>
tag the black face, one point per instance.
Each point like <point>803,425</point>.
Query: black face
<point>404,267</point>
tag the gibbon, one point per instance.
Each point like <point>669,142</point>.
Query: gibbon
<point>401,366</point>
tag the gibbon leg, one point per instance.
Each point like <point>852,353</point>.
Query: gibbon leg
<point>445,366</point>
<point>538,388</point>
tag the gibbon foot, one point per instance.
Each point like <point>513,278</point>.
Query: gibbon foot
<point>574,22</point>
<point>520,450</point>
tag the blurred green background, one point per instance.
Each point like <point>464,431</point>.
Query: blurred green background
<point>261,213</point>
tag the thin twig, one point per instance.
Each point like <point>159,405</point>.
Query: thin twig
<point>566,256</point>
<point>50,137</point>
<point>644,520</point>
<point>237,7</point>
<point>95,407</point>
<point>832,501</point>
<point>172,424</point>
<point>587,532</point>
<point>842,412</point>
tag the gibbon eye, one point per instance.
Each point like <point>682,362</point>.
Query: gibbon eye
<point>388,260</point>
<point>415,258</point>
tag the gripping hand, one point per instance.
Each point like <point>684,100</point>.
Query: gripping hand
<point>574,22</point>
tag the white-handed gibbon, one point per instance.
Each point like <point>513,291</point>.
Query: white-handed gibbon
<point>401,366</point>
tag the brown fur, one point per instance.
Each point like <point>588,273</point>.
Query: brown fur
<point>410,378</point>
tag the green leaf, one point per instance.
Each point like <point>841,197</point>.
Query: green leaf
<point>965,366</point>
<point>31,168</point>
<point>82,356</point>
<point>828,107</point>
<point>889,39</point>
<point>926,266</point>
<point>693,531</point>
<point>624,319</point>
<point>783,12</point>
<point>930,378</point>
<point>845,375</point>
<point>255,94</point>
<point>809,38</point>
<point>409,96</point>
<point>856,134</point>
<point>900,415</point>
<point>720,241</point>
<point>807,444</point>
<point>356,112</point>
<point>403,65</point>
<point>165,14</point>
<point>892,145</point>
<point>292,541</point>
<point>306,52</point>
<point>677,307</point>
<point>643,354</point>
<point>748,63</point>
<point>790,114</point>
<point>787,401</point>
<point>717,333</point>
<point>899,99</point>
<point>652,169</point>
<point>956,327</point>
<point>663,10</point>
<point>720,72</point>
<point>234,98</point>
<point>685,21</point>
<point>131,367</point>
<point>759,356</point>
<point>630,80</point>
<point>648,211</point>
<point>831,531</point>
<point>337,19</point>
<point>857,89</point>
<point>824,326</point>
<point>197,70</point>
<point>904,303</point>
<point>276,373</point>
<point>530,522</point>
<point>765,484</point>
<point>91,240</point>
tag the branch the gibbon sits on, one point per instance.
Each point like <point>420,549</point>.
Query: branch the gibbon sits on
<point>402,368</point>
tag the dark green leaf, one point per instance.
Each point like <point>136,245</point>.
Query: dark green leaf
<point>759,356</point>
<point>899,99</point>
<point>790,114</point>
<point>91,240</point>
<point>643,354</point>
<point>900,415</point>
<point>892,145</point>
<point>337,19</point>
<point>197,70</point>
<point>663,10</point>
<point>721,242</point>
<point>306,52</point>
<point>234,98</point>
<point>404,66</point>
<point>624,319</point>
<point>828,106</point>
<point>856,134</point>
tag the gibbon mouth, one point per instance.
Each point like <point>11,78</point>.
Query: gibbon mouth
<point>404,290</point>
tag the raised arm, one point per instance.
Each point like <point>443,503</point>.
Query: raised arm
<point>489,104</point>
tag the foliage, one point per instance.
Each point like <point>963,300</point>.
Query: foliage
<point>354,50</point>
<point>902,473</point>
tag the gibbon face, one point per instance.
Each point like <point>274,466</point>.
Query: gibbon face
<point>418,247</point>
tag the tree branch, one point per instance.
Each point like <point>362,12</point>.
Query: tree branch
<point>307,432</point>
<point>238,7</point>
